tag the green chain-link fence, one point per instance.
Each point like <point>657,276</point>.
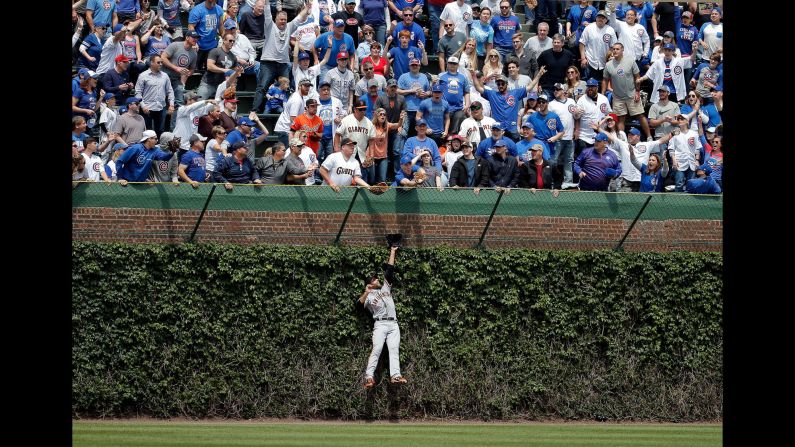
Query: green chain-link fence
<point>336,210</point>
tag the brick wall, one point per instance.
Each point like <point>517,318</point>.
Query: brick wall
<point>249,227</point>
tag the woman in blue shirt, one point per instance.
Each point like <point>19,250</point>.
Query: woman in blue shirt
<point>652,175</point>
<point>91,48</point>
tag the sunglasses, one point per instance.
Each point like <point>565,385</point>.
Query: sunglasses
<point>494,55</point>
<point>368,32</point>
<point>448,25</point>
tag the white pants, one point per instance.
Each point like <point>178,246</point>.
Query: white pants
<point>390,331</point>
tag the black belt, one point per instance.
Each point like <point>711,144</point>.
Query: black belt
<point>385,318</point>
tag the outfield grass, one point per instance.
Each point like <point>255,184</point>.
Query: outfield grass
<point>202,434</point>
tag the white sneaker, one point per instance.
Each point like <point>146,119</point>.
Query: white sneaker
<point>670,188</point>
<point>568,185</point>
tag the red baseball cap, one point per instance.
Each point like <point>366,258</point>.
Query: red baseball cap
<point>613,116</point>
<point>122,58</point>
<point>342,55</point>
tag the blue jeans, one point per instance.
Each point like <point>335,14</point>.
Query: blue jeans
<point>379,167</point>
<point>206,91</point>
<point>434,12</point>
<point>269,71</point>
<point>179,100</point>
<point>564,158</point>
<point>326,149</point>
<point>395,145</point>
<point>681,177</point>
<point>380,34</point>
<point>254,69</point>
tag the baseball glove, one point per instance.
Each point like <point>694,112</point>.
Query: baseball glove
<point>379,189</point>
<point>420,177</point>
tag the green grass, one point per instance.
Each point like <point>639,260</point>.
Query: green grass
<point>203,434</point>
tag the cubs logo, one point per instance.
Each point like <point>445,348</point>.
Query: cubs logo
<point>182,60</point>
<point>640,32</point>
<point>677,70</point>
<point>588,14</point>
<point>640,149</point>
<point>198,161</point>
<point>195,120</point>
<point>620,72</point>
<point>106,5</point>
<point>467,16</point>
<point>141,159</point>
<point>606,38</point>
<point>163,166</point>
<point>510,100</point>
<point>342,47</point>
<point>95,167</point>
<point>551,124</point>
<point>708,76</point>
<point>352,21</point>
<point>603,108</point>
<point>411,54</point>
<point>691,141</point>
<point>453,83</point>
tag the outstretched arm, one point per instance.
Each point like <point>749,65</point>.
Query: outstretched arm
<point>389,267</point>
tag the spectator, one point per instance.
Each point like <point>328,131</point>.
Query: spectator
<point>78,132</point>
<point>78,169</point>
<point>492,66</point>
<point>361,87</point>
<point>84,102</point>
<point>409,175</point>
<point>210,120</point>
<point>633,36</point>
<point>503,171</point>
<point>310,123</point>
<point>477,127</point>
<point>486,147</point>
<point>414,86</point>
<point>527,142</point>
<point>331,112</point>
<point>277,95</point>
<point>684,152</point>
<point>301,68</point>
<point>652,173</point>
<point>703,183</point>
<point>459,13</point>
<point>94,167</point>
<point>136,161</point>
<point>168,12</point>
<point>179,62</point>
<point>376,15</point>
<point>192,165</point>
<point>456,92</point>
<point>252,24</point>
<point>468,58</point>
<point>189,115</point>
<point>154,86</point>
<point>130,45</point>
<point>294,107</point>
<point>566,109</point>
<point>432,176</point>
<point>395,107</point>
<point>580,15</point>
<point>469,170</point>
<point>686,40</point>
<point>359,128</point>
<point>166,172</point>
<point>110,166</point>
<point>556,61</point>
<point>668,70</point>
<point>353,21</point>
<point>298,172</point>
<point>436,112</point>
<point>400,57</point>
<point>342,81</point>
<point>219,61</point>
<point>342,168</point>
<point>340,42</point>
<point>128,10</point>
<point>656,53</point>
<point>596,166</point>
<point>416,145</point>
<point>214,150</point>
<point>117,81</point>
<point>706,77</point>
<point>541,42</point>
<point>450,41</point>
<point>592,108</point>
<point>370,98</point>
<point>663,113</point>
<point>634,155</point>
<point>526,60</point>
<point>228,88</point>
<point>272,168</point>
<point>232,12</point>
<point>574,86</point>
<point>101,13</point>
<point>154,42</point>
<point>516,80</point>
<point>91,48</point>
<point>710,36</point>
<point>506,103</point>
<point>483,34</point>
<point>111,49</point>
<point>107,117</point>
<point>416,33</point>
<point>204,18</point>
<point>714,158</point>
<point>623,75</point>
<point>380,63</point>
<point>547,126</point>
<point>595,41</point>
<point>243,50</point>
<point>644,11</point>
<point>130,126</point>
<point>452,154</point>
<point>237,168</point>
<point>227,115</point>
<point>537,172</point>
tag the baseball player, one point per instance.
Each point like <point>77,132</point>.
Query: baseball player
<point>377,299</point>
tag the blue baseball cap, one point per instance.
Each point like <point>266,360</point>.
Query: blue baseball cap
<point>117,28</point>
<point>532,95</point>
<point>132,100</point>
<point>669,46</point>
<point>500,143</point>
<point>108,96</point>
<point>303,55</point>
<point>230,24</point>
<point>324,83</point>
<point>600,137</point>
<point>83,72</point>
<point>497,126</point>
<point>634,131</point>
<point>526,123</point>
<point>122,110</point>
<point>421,122</point>
<point>406,159</point>
<point>339,22</point>
<point>244,121</point>
<point>437,88</point>
<point>192,34</point>
<point>592,83</point>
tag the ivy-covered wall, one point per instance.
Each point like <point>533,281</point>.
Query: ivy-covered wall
<point>232,331</point>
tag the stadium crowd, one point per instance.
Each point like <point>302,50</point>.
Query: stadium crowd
<point>589,95</point>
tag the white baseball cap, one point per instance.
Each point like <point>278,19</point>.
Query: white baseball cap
<point>147,135</point>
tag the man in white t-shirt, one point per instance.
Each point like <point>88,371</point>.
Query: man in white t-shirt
<point>460,13</point>
<point>593,107</point>
<point>684,150</point>
<point>360,129</point>
<point>595,42</point>
<point>342,168</point>
<point>541,41</point>
<point>630,175</point>
<point>477,127</point>
<point>292,108</point>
